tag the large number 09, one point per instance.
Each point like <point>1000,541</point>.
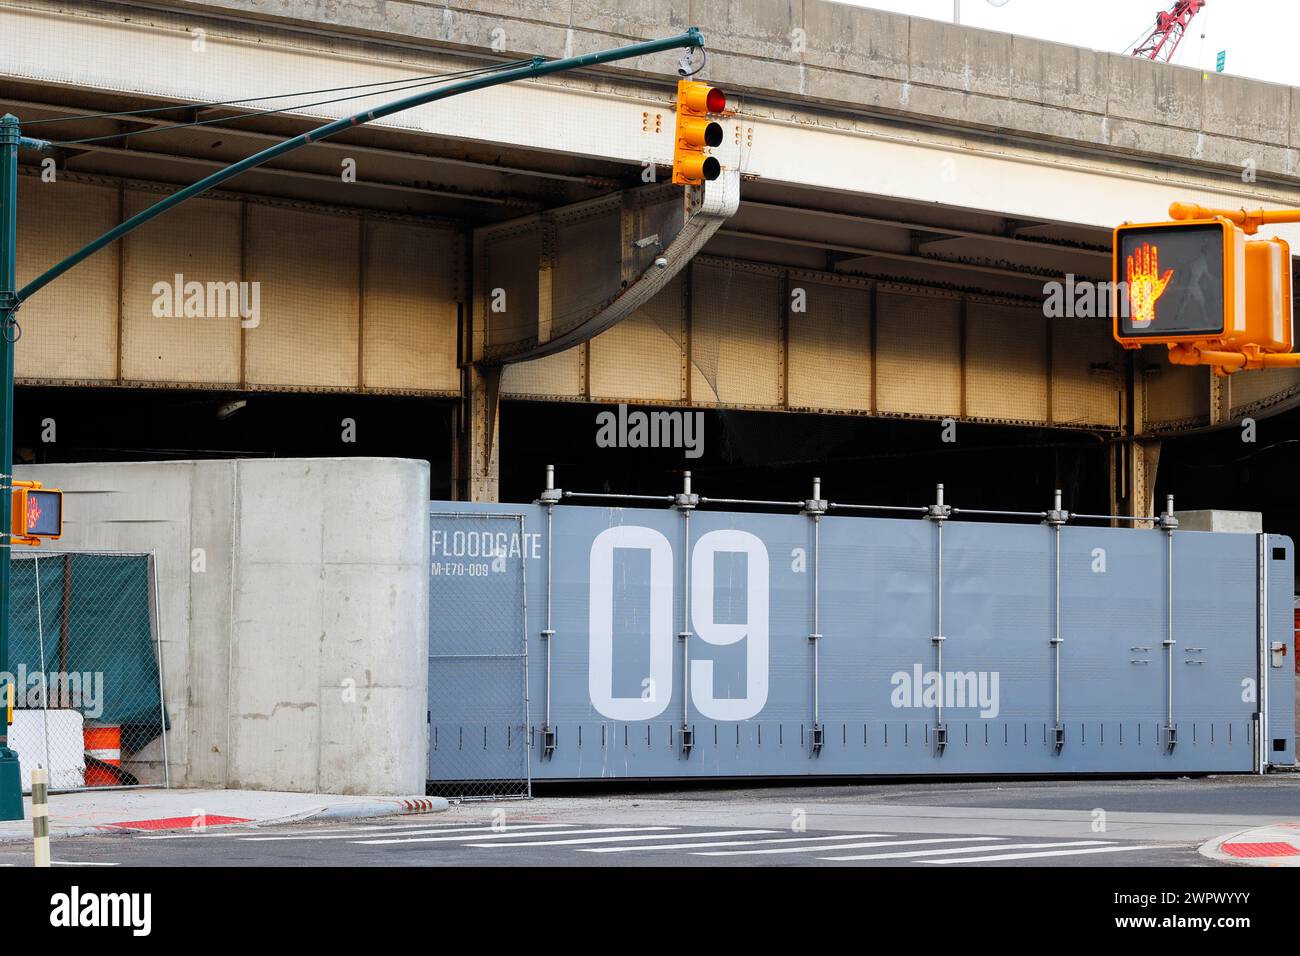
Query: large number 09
<point>754,630</point>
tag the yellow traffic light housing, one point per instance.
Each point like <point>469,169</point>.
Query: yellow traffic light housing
<point>37,513</point>
<point>1200,287</point>
<point>697,132</point>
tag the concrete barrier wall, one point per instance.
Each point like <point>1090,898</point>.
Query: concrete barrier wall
<point>293,608</point>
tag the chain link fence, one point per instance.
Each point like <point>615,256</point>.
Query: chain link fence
<point>478,657</point>
<point>85,663</point>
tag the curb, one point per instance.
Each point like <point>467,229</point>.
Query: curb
<point>404,806</point>
<point>1282,834</point>
<point>398,806</point>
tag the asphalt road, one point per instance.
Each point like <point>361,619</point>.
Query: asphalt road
<point>926,825</point>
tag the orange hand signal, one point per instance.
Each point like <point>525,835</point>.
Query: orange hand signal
<point>1145,284</point>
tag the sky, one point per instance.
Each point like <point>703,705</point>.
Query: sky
<point>1258,35</point>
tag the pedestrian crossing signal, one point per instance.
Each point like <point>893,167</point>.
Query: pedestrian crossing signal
<point>37,513</point>
<point>1199,286</point>
<point>1181,280</point>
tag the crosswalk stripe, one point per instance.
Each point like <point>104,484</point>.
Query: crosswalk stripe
<point>1031,856</point>
<point>506,835</point>
<point>422,831</point>
<point>696,846</point>
<point>974,849</point>
<point>849,846</point>
<point>74,863</point>
<point>412,826</point>
<point>617,839</point>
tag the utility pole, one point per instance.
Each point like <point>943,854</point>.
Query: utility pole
<point>11,799</point>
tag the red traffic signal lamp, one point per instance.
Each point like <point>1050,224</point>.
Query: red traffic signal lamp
<point>1198,286</point>
<point>37,513</point>
<point>697,132</point>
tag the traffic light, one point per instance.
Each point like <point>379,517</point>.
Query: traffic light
<point>37,513</point>
<point>1201,287</point>
<point>697,132</point>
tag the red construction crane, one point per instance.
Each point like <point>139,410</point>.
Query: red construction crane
<point>1162,42</point>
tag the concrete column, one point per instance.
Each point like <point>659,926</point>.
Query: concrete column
<point>475,462</point>
<point>293,607</point>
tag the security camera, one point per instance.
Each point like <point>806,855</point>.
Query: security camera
<point>661,263</point>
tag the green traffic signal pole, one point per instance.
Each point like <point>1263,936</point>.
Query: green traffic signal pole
<point>11,789</point>
<point>11,139</point>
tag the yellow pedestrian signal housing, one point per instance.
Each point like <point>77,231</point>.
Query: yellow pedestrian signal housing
<point>697,132</point>
<point>1182,281</point>
<point>1199,286</point>
<point>37,513</point>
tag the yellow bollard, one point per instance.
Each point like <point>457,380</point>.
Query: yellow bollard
<point>41,816</point>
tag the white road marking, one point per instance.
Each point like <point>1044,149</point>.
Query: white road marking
<point>418,831</point>
<point>1031,856</point>
<point>974,849</point>
<point>617,839</point>
<point>507,835</point>
<point>850,846</point>
<point>244,831</point>
<point>71,863</point>
<point>695,846</point>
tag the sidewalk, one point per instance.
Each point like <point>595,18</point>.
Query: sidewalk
<point>1262,846</point>
<point>101,811</point>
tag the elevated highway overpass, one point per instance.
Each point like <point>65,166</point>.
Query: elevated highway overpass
<point>907,188</point>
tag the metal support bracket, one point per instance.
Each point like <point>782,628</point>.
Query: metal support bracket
<point>688,740</point>
<point>818,738</point>
<point>1059,737</point>
<point>548,742</point>
<point>940,737</point>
